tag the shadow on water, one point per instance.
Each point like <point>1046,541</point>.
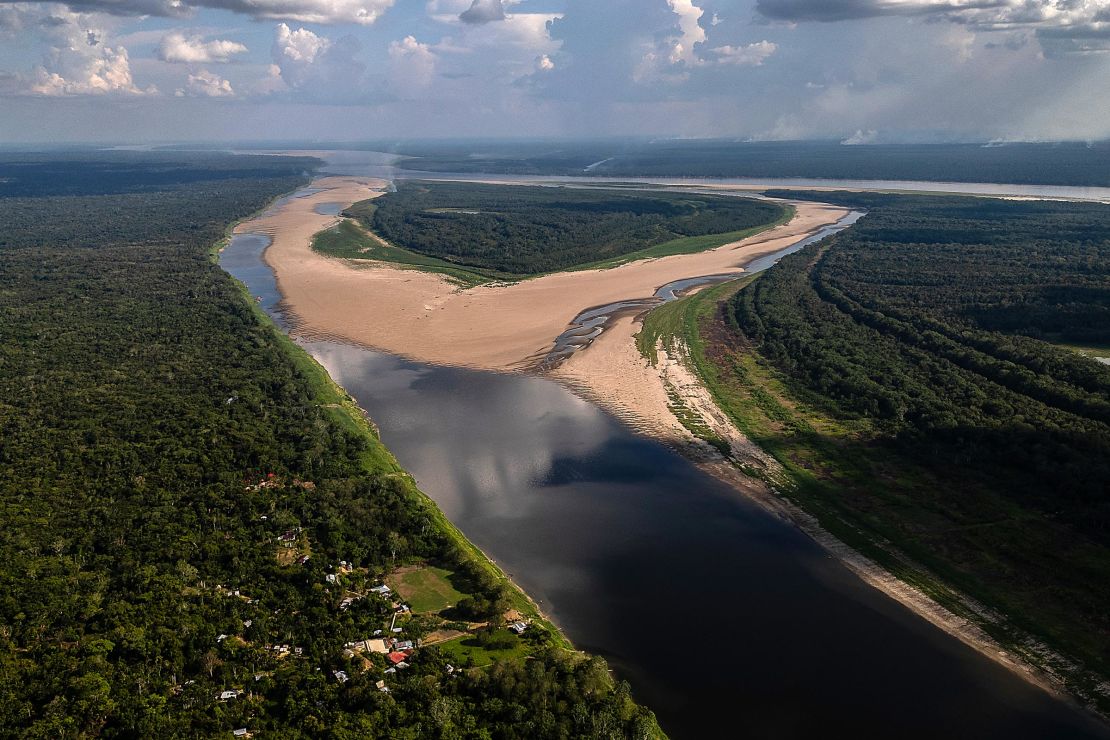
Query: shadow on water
<point>726,621</point>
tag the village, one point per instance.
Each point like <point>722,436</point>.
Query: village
<point>394,618</point>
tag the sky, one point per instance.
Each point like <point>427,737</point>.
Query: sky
<point>859,71</point>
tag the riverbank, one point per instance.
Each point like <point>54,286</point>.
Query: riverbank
<point>672,344</point>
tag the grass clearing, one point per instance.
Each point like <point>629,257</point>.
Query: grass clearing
<point>427,588</point>
<point>480,651</point>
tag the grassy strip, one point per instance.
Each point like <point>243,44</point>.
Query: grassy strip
<point>687,244</point>
<point>348,240</point>
<point>821,456</point>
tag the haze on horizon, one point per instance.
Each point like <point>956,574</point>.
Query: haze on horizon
<point>856,70</point>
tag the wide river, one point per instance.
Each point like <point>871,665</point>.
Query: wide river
<point>728,622</point>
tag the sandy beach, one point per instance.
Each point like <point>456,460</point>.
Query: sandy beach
<point>423,316</point>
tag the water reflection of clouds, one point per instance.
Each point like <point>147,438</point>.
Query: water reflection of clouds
<point>475,442</point>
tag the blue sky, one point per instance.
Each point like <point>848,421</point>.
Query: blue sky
<point>859,70</point>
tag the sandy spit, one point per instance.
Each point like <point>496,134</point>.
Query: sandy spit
<point>425,317</point>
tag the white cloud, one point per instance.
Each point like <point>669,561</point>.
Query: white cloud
<point>78,61</point>
<point>205,84</point>
<point>179,48</point>
<point>751,55</point>
<point>682,47</point>
<point>362,12</point>
<point>544,63</point>
<point>106,71</point>
<point>298,47</point>
<point>412,65</point>
<point>316,67</point>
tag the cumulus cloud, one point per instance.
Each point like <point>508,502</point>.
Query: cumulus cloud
<point>177,48</point>
<point>78,61</point>
<point>106,71</point>
<point>362,12</point>
<point>544,63</point>
<point>316,67</point>
<point>412,65</point>
<point>483,11</point>
<point>750,55</point>
<point>691,32</point>
<point>205,84</point>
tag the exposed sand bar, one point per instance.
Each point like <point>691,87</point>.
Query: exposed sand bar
<point>425,317</point>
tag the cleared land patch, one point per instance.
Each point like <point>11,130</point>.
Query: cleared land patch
<point>427,588</point>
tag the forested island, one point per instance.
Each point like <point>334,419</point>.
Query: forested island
<point>512,231</point>
<point>915,378</point>
<point>202,534</point>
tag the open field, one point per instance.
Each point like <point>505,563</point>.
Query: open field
<point>427,588</point>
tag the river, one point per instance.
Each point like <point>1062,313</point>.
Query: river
<point>726,621</point>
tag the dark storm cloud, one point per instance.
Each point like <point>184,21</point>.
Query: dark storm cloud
<point>799,11</point>
<point>483,11</point>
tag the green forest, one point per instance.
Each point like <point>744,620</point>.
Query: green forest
<point>905,373</point>
<point>194,515</point>
<point>525,230</point>
<point>1055,163</point>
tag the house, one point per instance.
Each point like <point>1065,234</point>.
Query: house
<point>303,559</point>
<point>346,603</point>
<point>340,676</point>
<point>382,687</point>
<point>518,627</point>
<point>241,732</point>
<point>396,658</point>
<point>382,589</point>
<point>402,665</point>
<point>406,645</point>
<point>330,578</point>
<point>229,694</point>
<point>221,637</point>
<point>450,669</point>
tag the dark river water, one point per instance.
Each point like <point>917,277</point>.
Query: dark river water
<point>727,622</point>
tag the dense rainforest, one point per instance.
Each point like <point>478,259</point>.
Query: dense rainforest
<point>521,230</point>
<point>924,398</point>
<point>1061,163</point>
<point>192,518</point>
